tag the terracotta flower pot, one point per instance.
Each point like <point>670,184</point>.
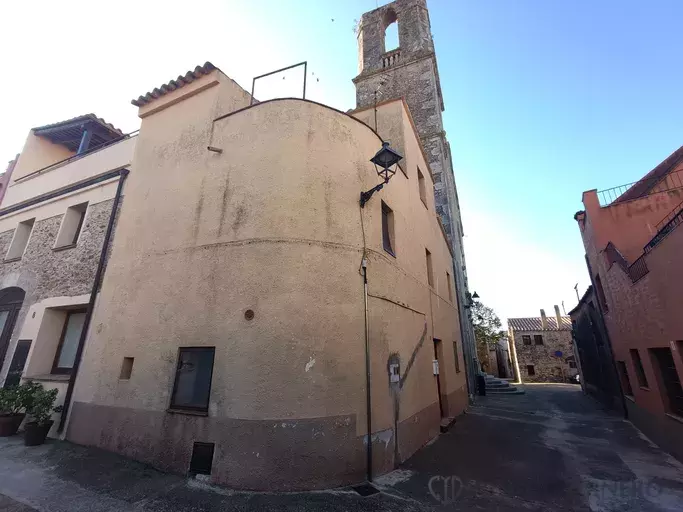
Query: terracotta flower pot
<point>35,434</point>
<point>9,423</point>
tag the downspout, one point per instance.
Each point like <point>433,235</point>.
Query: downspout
<point>91,304</point>
<point>368,397</point>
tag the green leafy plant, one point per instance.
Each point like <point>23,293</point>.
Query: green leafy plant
<point>17,399</point>
<point>42,403</point>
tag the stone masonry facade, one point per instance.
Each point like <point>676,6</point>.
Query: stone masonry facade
<point>43,272</point>
<point>410,72</point>
<point>548,367</point>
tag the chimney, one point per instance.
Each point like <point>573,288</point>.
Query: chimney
<point>558,316</point>
<point>544,320</point>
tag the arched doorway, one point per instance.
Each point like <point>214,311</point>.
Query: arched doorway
<point>11,300</point>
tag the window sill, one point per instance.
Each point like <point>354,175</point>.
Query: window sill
<point>64,247</point>
<point>170,410</point>
<point>629,397</point>
<point>675,417</point>
<point>391,253</point>
<point>644,388</point>
<point>12,260</point>
<point>50,377</point>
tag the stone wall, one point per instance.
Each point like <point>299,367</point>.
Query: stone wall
<point>548,367</point>
<point>43,272</point>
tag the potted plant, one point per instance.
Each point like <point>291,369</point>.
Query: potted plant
<point>40,414</point>
<point>13,404</point>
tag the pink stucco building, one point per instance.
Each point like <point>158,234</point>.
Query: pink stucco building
<point>633,251</point>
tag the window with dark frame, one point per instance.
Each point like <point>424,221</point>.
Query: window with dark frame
<point>538,339</point>
<point>192,385</point>
<point>669,382</point>
<point>68,342</point>
<point>623,376</point>
<point>388,229</point>
<point>526,339</point>
<point>640,371</point>
<point>450,286</point>
<point>530,370</point>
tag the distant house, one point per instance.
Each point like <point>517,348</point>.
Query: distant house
<point>541,348</point>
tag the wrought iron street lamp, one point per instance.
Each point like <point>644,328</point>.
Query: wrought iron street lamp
<point>384,160</point>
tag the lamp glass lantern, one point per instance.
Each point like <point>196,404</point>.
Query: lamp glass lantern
<point>385,161</point>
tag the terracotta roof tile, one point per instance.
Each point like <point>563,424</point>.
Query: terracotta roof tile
<point>81,119</point>
<point>534,324</point>
<point>178,83</point>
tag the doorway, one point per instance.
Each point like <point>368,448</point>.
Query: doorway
<point>11,300</point>
<point>438,356</point>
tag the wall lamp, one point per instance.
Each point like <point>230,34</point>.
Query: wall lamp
<point>384,160</point>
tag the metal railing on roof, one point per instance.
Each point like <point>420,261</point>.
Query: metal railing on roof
<point>666,226</point>
<point>670,181</point>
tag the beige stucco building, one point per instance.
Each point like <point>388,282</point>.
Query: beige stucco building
<point>59,201</point>
<point>541,348</point>
<point>230,329</point>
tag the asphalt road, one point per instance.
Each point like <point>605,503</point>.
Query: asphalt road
<point>550,449</point>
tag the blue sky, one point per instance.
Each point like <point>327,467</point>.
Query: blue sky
<point>544,99</point>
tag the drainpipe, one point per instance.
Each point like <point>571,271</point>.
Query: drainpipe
<point>91,304</point>
<point>368,398</point>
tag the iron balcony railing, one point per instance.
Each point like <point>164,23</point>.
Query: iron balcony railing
<point>641,188</point>
<point>666,226</point>
<point>636,271</point>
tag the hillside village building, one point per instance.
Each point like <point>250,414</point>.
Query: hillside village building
<point>209,296</point>
<point>633,252</point>
<point>60,200</point>
<point>541,348</point>
<point>410,72</point>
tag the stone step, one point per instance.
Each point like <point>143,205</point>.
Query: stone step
<point>512,390</point>
<point>446,424</point>
<point>497,384</point>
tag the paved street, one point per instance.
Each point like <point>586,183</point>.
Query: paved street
<point>550,449</point>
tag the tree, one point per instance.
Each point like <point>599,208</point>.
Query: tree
<point>487,331</point>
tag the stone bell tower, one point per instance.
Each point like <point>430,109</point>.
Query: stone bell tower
<point>410,71</point>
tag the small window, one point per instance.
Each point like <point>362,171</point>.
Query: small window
<point>538,339</point>
<point>72,222</point>
<point>388,229</point>
<point>526,339</point>
<point>421,186</point>
<point>457,357</point>
<point>638,365</point>
<point>20,240</point>
<point>202,459</point>
<point>68,343</point>
<point>126,368</point>
<point>450,286</point>
<point>430,270</point>
<point>601,293</point>
<point>192,385</point>
<point>669,381</point>
<point>572,364</point>
<point>623,377</point>
<point>530,370</point>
